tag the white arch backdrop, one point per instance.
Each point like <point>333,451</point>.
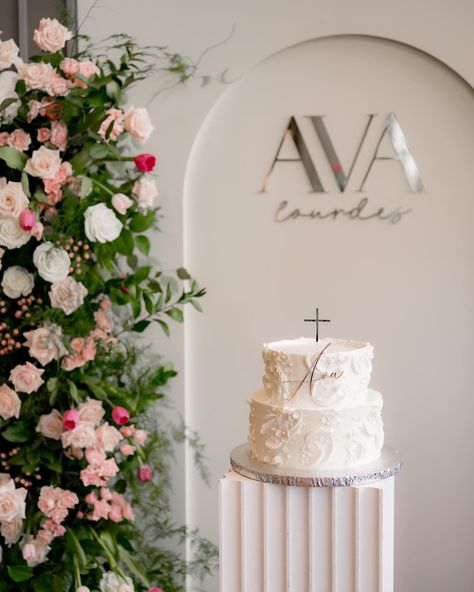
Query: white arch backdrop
<point>433,27</point>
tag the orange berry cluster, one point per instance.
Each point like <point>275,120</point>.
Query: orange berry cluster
<point>78,251</point>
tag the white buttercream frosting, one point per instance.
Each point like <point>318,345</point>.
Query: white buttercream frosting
<point>316,409</point>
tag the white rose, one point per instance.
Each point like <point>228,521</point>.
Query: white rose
<point>11,531</point>
<point>12,502</point>
<point>34,550</point>
<point>111,582</point>
<point>101,224</point>
<point>51,262</point>
<point>17,281</point>
<point>10,403</point>
<point>51,425</point>
<point>8,53</point>
<point>138,123</point>
<point>11,234</point>
<point>51,35</point>
<point>68,295</point>
<point>145,189</point>
<point>44,163</point>
<point>8,80</point>
<point>121,202</point>
<point>36,75</point>
<point>12,199</point>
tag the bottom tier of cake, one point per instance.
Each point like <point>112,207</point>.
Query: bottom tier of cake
<point>316,437</point>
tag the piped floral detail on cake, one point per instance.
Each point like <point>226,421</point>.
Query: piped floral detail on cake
<point>277,370</point>
<point>319,444</point>
<point>278,427</point>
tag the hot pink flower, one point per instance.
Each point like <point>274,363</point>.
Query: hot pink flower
<point>145,162</point>
<point>120,415</point>
<point>71,419</point>
<point>145,474</point>
<point>27,220</point>
<point>155,589</point>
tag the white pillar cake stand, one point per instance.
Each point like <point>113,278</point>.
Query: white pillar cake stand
<point>303,531</point>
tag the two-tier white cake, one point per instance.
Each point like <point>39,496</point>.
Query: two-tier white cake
<point>316,410</point>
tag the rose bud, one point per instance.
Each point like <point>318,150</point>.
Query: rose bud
<point>155,589</point>
<point>27,220</point>
<point>71,419</point>
<point>145,162</point>
<point>120,415</point>
<point>144,473</point>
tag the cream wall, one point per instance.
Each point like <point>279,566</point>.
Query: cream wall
<point>262,28</point>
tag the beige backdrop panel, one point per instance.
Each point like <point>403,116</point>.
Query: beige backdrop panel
<point>406,287</point>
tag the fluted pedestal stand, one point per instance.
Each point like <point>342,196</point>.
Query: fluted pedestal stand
<point>307,532</point>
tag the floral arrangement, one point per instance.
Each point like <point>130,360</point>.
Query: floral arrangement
<point>76,281</point>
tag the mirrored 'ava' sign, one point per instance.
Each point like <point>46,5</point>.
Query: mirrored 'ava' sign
<point>362,211</point>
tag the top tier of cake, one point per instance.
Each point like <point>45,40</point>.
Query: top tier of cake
<point>303,373</point>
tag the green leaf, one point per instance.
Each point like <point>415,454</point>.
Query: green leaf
<point>124,243</point>
<point>76,547</point>
<point>112,89</point>
<point>19,431</point>
<point>13,158</point>
<point>86,186</point>
<point>20,573</point>
<point>183,274</point>
<point>140,326</point>
<point>25,184</point>
<point>7,102</point>
<point>164,326</point>
<point>73,391</point>
<point>142,273</point>
<point>176,314</point>
<point>143,244</point>
<point>141,222</point>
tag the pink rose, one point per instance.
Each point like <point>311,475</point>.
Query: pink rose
<point>36,75</point>
<point>127,431</point>
<point>146,191</point>
<point>103,321</point>
<point>37,231</point>
<point>145,162</point>
<point>4,138</point>
<point>27,220</point>
<point>138,123</point>
<point>67,499</point>
<point>12,200</point>
<point>65,171</point>
<point>140,437</point>
<point>91,411</point>
<point>88,68</point>
<point>59,135</point>
<point>83,436</point>
<point>71,419</point>
<point>11,530</point>
<point>19,140</point>
<point>34,551</point>
<point>127,449</point>
<point>45,344</point>
<point>44,163</point>
<point>47,499</point>
<point>144,473</point>
<point>69,66</point>
<point>51,35</point>
<point>121,203</point>
<point>67,295</point>
<point>107,437</point>
<point>43,134</point>
<point>10,403</point>
<point>57,86</point>
<point>120,415</point>
<point>95,456</point>
<point>115,117</point>
<point>51,425</point>
<point>26,378</point>
<point>33,110</point>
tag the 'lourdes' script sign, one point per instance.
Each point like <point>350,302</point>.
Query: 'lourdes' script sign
<point>362,211</point>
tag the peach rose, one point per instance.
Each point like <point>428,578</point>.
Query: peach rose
<point>10,403</point>
<point>12,200</point>
<point>19,140</point>
<point>91,411</point>
<point>8,54</point>
<point>43,134</point>
<point>69,66</point>
<point>82,436</point>
<point>67,294</point>
<point>44,163</point>
<point>51,35</point>
<point>59,135</point>
<point>26,378</point>
<point>107,437</point>
<point>56,85</point>
<point>138,123</point>
<point>140,437</point>
<point>51,425</point>
<point>36,75</point>
<point>45,343</point>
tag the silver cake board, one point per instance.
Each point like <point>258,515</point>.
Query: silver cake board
<point>387,465</point>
